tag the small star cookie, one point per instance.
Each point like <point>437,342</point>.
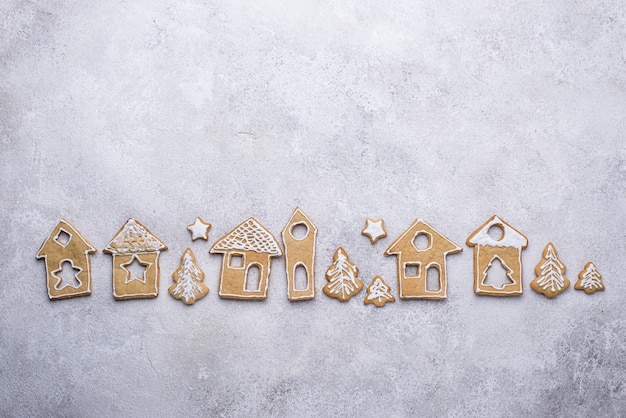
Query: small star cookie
<point>199,229</point>
<point>374,229</point>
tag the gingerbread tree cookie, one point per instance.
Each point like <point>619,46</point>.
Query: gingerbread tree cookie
<point>342,276</point>
<point>188,278</point>
<point>589,279</point>
<point>378,293</point>
<point>550,271</point>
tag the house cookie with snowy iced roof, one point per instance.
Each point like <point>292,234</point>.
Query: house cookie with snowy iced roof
<point>492,250</point>
<point>135,252</point>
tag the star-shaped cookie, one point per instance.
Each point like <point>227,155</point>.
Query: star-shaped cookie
<point>374,229</point>
<point>199,229</point>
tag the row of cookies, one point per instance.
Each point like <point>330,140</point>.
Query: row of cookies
<point>248,249</point>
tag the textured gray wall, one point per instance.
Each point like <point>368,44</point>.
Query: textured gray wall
<point>447,111</point>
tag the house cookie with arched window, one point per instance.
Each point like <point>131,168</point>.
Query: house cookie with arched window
<point>421,255</point>
<point>300,256</point>
<point>247,257</point>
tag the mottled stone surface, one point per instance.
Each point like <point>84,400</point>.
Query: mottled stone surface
<point>447,111</point>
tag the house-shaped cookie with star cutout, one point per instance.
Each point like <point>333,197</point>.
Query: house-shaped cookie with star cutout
<point>421,257</point>
<point>247,257</point>
<point>65,245</point>
<point>135,252</point>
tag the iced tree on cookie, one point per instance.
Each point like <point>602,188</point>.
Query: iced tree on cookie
<point>188,277</point>
<point>589,280</point>
<point>378,293</point>
<point>550,280</point>
<point>343,282</point>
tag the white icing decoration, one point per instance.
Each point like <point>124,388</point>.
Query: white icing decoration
<point>199,229</point>
<point>188,278</point>
<point>134,238</point>
<point>342,277</point>
<point>61,283</point>
<point>591,278</point>
<point>551,279</point>
<point>249,236</point>
<point>508,270</point>
<point>379,291</point>
<point>510,237</point>
<point>374,230</point>
<point>132,268</point>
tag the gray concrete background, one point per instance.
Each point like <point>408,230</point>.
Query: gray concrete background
<point>447,111</point>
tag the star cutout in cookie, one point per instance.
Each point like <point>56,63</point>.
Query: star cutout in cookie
<point>199,229</point>
<point>374,230</point>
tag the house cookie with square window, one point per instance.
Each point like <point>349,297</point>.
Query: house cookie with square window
<point>299,240</point>
<point>499,248</point>
<point>421,253</point>
<point>247,253</point>
<point>135,252</point>
<point>67,253</point>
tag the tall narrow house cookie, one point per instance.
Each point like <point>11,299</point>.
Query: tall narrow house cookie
<point>501,247</point>
<point>300,256</point>
<point>135,252</point>
<point>66,253</point>
<point>421,253</point>
<point>247,257</point>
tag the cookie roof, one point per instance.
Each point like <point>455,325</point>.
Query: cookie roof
<point>511,237</point>
<point>133,237</point>
<point>250,235</point>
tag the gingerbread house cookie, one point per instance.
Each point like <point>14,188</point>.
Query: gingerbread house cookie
<point>247,258</point>
<point>135,252</point>
<point>66,247</point>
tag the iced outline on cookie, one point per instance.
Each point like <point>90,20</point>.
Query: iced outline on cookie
<point>129,278</point>
<point>260,241</point>
<point>199,229</point>
<point>310,273</point>
<point>407,238</point>
<point>589,279</point>
<point>381,298</point>
<point>509,272</point>
<point>134,239</point>
<point>480,238</point>
<point>374,229</point>
<point>550,267</point>
<point>194,279</point>
<point>89,248</point>
<point>60,279</point>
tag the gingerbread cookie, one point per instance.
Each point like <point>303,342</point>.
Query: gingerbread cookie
<point>378,293</point>
<point>589,279</point>
<point>550,271</point>
<point>374,229</point>
<point>199,229</point>
<point>135,252</point>
<point>505,250</point>
<point>300,255</point>
<point>342,276</point>
<point>188,278</point>
<point>421,257</point>
<point>66,247</point>
<point>247,257</point>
